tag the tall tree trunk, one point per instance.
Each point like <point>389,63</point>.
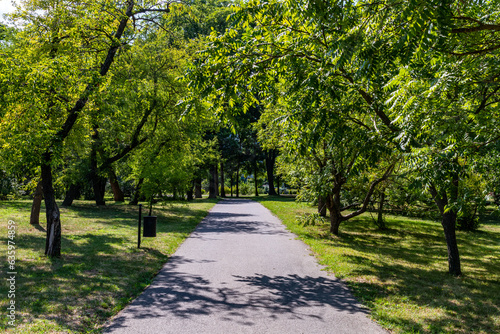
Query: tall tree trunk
<point>99,185</point>
<point>72,193</point>
<point>118,195</point>
<point>231,182</point>
<point>53,240</point>
<point>238,179</point>
<point>216,175</point>
<point>380,216</point>
<point>222,189</point>
<point>197,188</point>
<point>278,187</point>
<point>137,192</point>
<point>97,180</point>
<point>321,206</point>
<point>255,178</point>
<point>37,202</point>
<point>449,222</point>
<point>212,184</point>
<point>270,161</point>
<point>189,192</point>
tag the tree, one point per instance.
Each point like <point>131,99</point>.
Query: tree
<point>360,51</point>
<point>65,53</point>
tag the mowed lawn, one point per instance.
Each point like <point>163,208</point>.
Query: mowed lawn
<point>100,270</point>
<point>401,274</point>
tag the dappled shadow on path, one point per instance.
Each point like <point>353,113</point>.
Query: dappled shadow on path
<point>177,294</point>
<point>224,222</point>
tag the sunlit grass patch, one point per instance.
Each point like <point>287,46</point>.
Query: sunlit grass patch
<point>100,270</point>
<point>400,274</point>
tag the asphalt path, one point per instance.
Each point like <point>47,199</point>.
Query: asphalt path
<point>241,271</point>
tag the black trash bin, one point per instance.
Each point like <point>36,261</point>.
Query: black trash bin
<point>149,226</point>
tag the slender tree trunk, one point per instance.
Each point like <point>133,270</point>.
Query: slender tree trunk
<point>72,193</point>
<point>118,195</point>
<point>380,217</point>
<point>53,240</point>
<point>216,175</point>
<point>231,181</point>
<point>97,182</point>
<point>270,161</point>
<point>222,190</point>
<point>37,202</point>
<point>238,179</point>
<point>255,178</point>
<point>189,192</point>
<point>321,206</point>
<point>212,184</point>
<point>197,188</point>
<point>278,187</point>
<point>137,192</point>
<point>449,222</point>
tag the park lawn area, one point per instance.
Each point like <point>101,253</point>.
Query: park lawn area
<point>401,274</point>
<point>101,269</point>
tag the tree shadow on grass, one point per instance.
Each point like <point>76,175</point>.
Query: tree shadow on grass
<point>94,275</point>
<point>410,265</point>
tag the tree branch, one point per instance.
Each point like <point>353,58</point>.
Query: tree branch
<point>372,188</point>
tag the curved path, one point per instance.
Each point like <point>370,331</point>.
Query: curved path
<point>241,271</point>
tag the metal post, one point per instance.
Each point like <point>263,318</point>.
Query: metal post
<point>139,232</point>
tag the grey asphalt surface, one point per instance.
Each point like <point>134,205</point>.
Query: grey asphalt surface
<point>241,271</point>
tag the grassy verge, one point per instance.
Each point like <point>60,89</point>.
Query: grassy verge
<point>401,274</point>
<point>100,270</point>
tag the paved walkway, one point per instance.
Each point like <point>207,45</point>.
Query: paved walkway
<point>242,272</point>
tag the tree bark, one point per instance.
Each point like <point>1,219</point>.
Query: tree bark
<point>37,202</point>
<point>380,216</point>
<point>212,184</point>
<point>448,222</point>
<point>238,179</point>
<point>335,220</point>
<point>118,195</point>
<point>333,204</point>
<point>189,192</point>
<point>255,178</point>
<point>71,194</point>
<point>53,239</point>
<point>321,206</point>
<point>231,182</point>
<point>270,161</point>
<point>98,184</point>
<point>278,187</point>
<point>137,192</point>
<point>197,188</point>
<point>216,175</point>
<point>222,189</point>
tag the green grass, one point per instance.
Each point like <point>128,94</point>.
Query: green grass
<point>100,270</point>
<point>401,274</point>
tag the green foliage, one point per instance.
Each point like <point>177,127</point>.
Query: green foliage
<point>311,219</point>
